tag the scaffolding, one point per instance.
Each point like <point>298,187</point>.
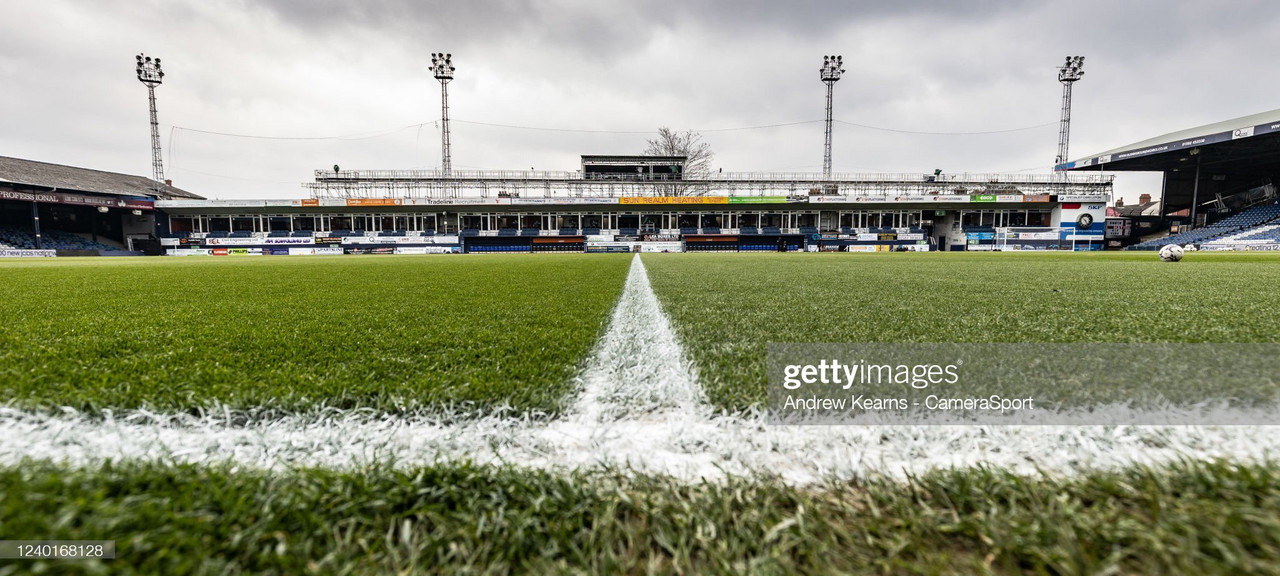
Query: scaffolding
<point>483,184</point>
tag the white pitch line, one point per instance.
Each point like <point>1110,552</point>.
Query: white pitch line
<point>640,409</point>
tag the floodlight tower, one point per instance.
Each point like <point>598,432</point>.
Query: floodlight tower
<point>1068,74</point>
<point>830,74</point>
<point>150,74</point>
<point>442,68</point>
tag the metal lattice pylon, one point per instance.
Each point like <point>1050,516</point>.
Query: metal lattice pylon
<point>830,74</point>
<point>442,68</point>
<point>1068,74</point>
<point>150,74</point>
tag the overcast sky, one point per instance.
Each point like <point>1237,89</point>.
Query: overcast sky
<point>565,78</point>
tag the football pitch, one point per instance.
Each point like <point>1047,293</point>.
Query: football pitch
<point>483,338</point>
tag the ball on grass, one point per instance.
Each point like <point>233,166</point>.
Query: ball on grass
<point>1171,253</point>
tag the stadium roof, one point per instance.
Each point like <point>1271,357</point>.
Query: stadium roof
<point>1250,144</point>
<point>21,172</point>
<point>1218,166</point>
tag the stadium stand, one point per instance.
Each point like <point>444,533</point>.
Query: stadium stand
<point>14,238</point>
<point>1255,220</point>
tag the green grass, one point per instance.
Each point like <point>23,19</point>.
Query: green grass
<point>1190,518</point>
<point>727,307</point>
<point>387,333</point>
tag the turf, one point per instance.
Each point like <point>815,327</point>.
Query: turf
<point>1190,518</point>
<point>386,333</point>
<point>727,307</point>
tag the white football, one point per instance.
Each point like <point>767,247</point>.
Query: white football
<point>1171,253</point>
<point>1189,248</point>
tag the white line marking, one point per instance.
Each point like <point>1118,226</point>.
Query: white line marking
<point>640,409</point>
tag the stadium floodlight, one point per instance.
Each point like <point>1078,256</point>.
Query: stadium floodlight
<point>442,68</point>
<point>150,74</point>
<point>830,74</point>
<point>1069,73</point>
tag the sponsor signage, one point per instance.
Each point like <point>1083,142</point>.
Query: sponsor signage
<point>454,201</point>
<point>829,199</point>
<point>563,201</point>
<point>372,250</point>
<point>982,198</point>
<point>244,251</point>
<point>661,237</point>
<point>868,237</point>
<point>757,199</point>
<point>887,237</point>
<point>661,247</point>
<point>673,200</point>
<point>1079,198</point>
<point>911,236</point>
<point>328,239</point>
<point>28,253</point>
<point>1035,198</point>
<point>374,239</point>
<point>608,247</point>
<point>255,241</point>
<point>1050,235</point>
<point>373,201</point>
<point>383,240</point>
<point>78,199</point>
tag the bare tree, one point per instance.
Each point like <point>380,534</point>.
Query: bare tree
<point>689,144</point>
